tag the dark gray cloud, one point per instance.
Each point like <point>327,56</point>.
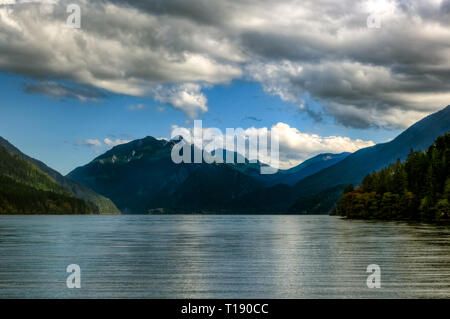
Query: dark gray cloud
<point>60,91</point>
<point>315,115</point>
<point>171,49</point>
<point>252,118</point>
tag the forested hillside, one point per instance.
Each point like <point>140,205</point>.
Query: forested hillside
<point>104,205</point>
<point>417,189</point>
<point>24,189</point>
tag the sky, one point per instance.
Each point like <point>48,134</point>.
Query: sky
<point>329,76</point>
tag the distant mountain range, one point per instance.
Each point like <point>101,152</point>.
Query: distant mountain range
<point>30,186</point>
<point>353,168</point>
<point>307,168</point>
<point>318,193</point>
<point>140,177</point>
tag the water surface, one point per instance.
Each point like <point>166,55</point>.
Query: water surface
<point>190,256</point>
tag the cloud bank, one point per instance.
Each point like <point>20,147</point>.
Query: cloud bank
<point>294,146</point>
<point>170,50</point>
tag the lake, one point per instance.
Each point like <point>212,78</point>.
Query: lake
<point>214,256</point>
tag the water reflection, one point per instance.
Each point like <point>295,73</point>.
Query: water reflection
<point>220,257</point>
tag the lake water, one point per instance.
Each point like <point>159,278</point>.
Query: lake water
<point>190,256</point>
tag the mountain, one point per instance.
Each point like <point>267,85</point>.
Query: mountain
<point>103,205</point>
<point>140,177</point>
<point>353,168</point>
<point>319,192</point>
<point>290,176</point>
<point>24,189</point>
<point>417,189</point>
<point>307,168</point>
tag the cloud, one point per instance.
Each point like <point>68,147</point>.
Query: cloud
<point>60,91</point>
<point>115,142</point>
<point>187,97</point>
<point>172,50</point>
<point>297,146</point>
<point>294,146</point>
<point>119,49</point>
<point>96,143</point>
<point>252,118</point>
<point>89,143</point>
<point>138,107</point>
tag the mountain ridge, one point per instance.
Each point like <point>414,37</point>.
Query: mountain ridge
<point>143,169</point>
<point>418,136</point>
<point>145,178</point>
<point>318,193</point>
<point>104,205</point>
<point>25,189</point>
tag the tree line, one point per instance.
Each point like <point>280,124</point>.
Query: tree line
<point>417,189</point>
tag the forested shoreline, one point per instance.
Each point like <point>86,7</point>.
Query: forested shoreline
<point>417,189</point>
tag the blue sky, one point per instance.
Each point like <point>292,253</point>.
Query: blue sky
<point>54,129</point>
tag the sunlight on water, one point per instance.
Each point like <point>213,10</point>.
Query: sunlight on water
<point>188,256</point>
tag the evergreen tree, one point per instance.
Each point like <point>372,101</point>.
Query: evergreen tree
<point>419,188</point>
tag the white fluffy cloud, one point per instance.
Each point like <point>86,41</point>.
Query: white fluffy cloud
<point>294,146</point>
<point>171,49</point>
<point>96,143</point>
<point>89,142</point>
<point>186,97</point>
<point>115,142</point>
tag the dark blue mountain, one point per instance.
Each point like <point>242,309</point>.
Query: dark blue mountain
<point>318,193</point>
<point>140,177</point>
<point>307,168</point>
<point>311,191</point>
<point>290,176</point>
